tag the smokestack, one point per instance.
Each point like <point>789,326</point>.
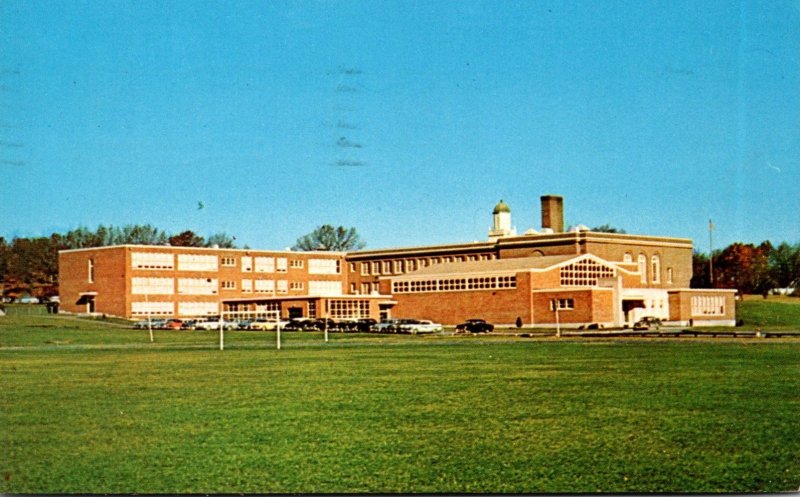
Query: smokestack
<point>553,213</point>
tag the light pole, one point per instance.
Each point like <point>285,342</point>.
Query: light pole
<point>149,322</point>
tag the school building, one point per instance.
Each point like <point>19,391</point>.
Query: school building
<point>575,277</point>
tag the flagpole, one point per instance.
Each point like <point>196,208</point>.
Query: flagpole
<point>711,252</point>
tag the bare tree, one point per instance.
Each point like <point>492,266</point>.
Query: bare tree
<point>326,237</point>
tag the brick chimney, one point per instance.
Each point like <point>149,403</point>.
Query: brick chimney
<point>553,213</point>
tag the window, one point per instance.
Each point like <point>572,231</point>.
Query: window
<point>411,265</point>
<point>296,285</point>
<point>655,267</point>
<point>198,308</point>
<point>376,267</point>
<point>281,264</point>
<point>365,288</point>
<point>312,308</point>
<point>192,262</point>
<point>325,287</point>
<point>283,286</point>
<point>352,267</point>
<point>264,286</point>
<point>364,268</point>
<point>352,288</point>
<point>348,309</point>
<point>152,308</point>
<point>265,264</point>
<point>152,286</point>
<point>247,264</point>
<point>627,257</point>
<point>323,266</point>
<point>398,267</point>
<point>296,263</point>
<point>247,286</point>
<point>708,305</point>
<point>584,273</point>
<point>91,271</point>
<point>228,285</point>
<point>669,275</point>
<point>563,304</point>
<point>643,267</point>
<point>453,284</point>
<point>227,261</point>
<point>387,267</point>
<point>197,286</point>
<point>152,260</point>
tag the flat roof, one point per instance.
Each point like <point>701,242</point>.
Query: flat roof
<point>193,249</point>
<point>527,240</point>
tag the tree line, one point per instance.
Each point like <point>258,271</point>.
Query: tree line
<point>749,268</point>
<point>32,263</point>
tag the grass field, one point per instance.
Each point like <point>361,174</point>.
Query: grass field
<point>773,313</point>
<point>92,407</point>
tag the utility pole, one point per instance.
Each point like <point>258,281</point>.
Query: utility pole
<point>711,252</point>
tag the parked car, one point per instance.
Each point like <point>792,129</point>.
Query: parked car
<point>140,325</point>
<point>347,325</point>
<point>321,323</point>
<point>364,325</point>
<point>647,322</point>
<point>173,324</point>
<point>591,326</point>
<point>213,324</point>
<point>385,326</point>
<point>419,326</point>
<point>27,300</point>
<point>188,324</point>
<point>266,324</point>
<point>474,326</point>
<point>300,324</point>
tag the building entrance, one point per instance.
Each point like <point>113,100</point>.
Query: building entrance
<point>628,310</point>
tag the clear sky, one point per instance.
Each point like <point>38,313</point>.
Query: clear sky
<point>408,120</point>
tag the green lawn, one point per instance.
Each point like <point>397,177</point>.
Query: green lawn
<point>774,313</point>
<point>90,407</point>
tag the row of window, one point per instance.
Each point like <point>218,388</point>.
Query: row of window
<point>454,284</point>
<point>168,308</point>
<point>401,266</point>
<point>708,305</point>
<point>258,264</point>
<point>348,309</point>
<point>209,286</point>
<point>585,273</point>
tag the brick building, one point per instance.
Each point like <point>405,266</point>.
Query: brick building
<point>575,277</point>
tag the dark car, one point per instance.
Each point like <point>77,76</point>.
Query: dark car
<point>364,325</point>
<point>474,326</point>
<point>646,323</point>
<point>301,324</point>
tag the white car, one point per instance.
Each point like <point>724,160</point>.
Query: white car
<point>213,324</point>
<point>421,326</point>
<point>266,324</point>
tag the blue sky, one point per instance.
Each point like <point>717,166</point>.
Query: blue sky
<point>408,120</point>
